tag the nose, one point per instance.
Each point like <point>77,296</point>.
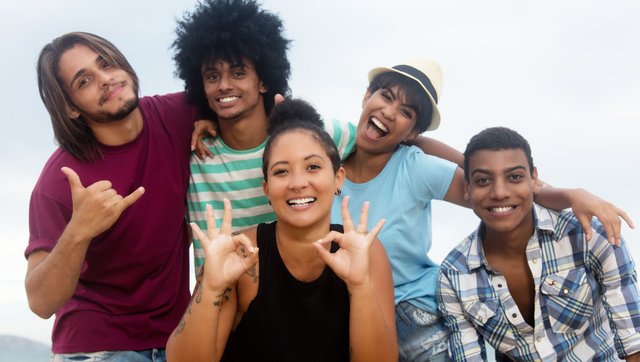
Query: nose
<point>225,83</point>
<point>389,112</point>
<point>105,79</point>
<point>298,181</point>
<point>500,190</point>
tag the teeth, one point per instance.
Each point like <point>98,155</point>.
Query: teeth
<point>304,201</point>
<point>379,125</point>
<point>227,99</point>
<point>500,210</point>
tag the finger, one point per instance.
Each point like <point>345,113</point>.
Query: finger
<point>376,229</point>
<point>331,236</point>
<point>201,149</point>
<point>212,227</point>
<point>196,137</point>
<point>324,254</point>
<point>132,198</point>
<point>240,239</point>
<point>212,130</point>
<point>347,223</point>
<point>74,179</point>
<point>611,228</point>
<point>204,241</point>
<point>586,226</point>
<point>227,217</point>
<point>278,98</point>
<point>625,217</point>
<point>364,217</point>
<point>208,152</point>
<point>109,193</point>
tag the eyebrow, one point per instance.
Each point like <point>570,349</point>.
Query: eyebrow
<point>414,108</point>
<point>210,67</point>
<point>506,170</point>
<point>287,162</point>
<point>82,71</point>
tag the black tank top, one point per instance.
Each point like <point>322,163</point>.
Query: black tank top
<point>290,320</point>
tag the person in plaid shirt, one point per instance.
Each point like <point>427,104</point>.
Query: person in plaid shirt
<point>527,281</point>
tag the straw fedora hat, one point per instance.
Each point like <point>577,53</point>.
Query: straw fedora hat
<point>424,71</point>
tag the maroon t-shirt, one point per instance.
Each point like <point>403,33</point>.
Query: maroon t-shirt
<point>134,283</point>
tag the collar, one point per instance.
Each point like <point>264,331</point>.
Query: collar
<point>545,221</point>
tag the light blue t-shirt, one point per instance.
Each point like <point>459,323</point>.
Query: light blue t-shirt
<point>402,195</point>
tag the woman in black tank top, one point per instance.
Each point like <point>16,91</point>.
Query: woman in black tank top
<point>298,289</point>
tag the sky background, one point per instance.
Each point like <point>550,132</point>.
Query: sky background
<point>563,74</point>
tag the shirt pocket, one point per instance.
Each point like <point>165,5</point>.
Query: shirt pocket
<point>569,300</point>
<point>481,311</point>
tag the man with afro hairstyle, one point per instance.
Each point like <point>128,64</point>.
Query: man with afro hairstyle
<point>232,56</point>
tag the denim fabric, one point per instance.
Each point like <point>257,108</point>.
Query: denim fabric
<point>422,336</point>
<point>147,355</point>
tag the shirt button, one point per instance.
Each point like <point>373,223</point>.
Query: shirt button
<point>480,319</point>
<point>539,339</point>
<point>535,261</point>
<point>514,315</point>
<point>565,291</point>
<point>499,285</point>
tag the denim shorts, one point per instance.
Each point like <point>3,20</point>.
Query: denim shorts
<point>422,336</point>
<point>147,355</point>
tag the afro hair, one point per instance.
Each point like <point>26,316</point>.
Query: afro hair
<point>231,30</point>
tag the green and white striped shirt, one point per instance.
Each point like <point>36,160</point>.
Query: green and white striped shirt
<point>237,176</point>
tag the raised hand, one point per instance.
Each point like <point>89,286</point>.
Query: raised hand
<point>97,207</point>
<point>223,265</point>
<point>586,205</point>
<point>201,130</point>
<point>351,261</point>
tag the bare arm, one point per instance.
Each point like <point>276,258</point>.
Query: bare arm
<point>204,329</point>
<point>436,148</point>
<point>52,278</point>
<point>372,332</point>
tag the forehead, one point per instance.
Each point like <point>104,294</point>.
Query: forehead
<point>296,143</point>
<point>75,59</point>
<point>498,161</point>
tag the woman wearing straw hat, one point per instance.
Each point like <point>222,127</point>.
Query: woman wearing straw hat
<point>400,182</point>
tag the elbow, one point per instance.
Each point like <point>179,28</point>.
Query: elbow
<point>39,310</point>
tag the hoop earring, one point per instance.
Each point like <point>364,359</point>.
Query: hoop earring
<point>338,192</point>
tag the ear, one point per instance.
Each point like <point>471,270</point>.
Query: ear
<point>340,175</point>
<point>263,89</point>
<point>72,112</point>
<point>366,98</point>
<point>534,179</point>
<point>265,189</point>
<point>467,191</point>
<point>413,134</point>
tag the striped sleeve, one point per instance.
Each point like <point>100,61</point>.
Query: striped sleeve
<point>343,135</point>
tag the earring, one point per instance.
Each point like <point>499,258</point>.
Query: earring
<point>269,202</point>
<point>338,192</point>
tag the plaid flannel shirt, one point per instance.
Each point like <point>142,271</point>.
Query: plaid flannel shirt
<point>586,297</point>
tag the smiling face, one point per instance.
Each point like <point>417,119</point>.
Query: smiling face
<point>301,181</point>
<point>386,121</point>
<point>98,90</point>
<point>233,90</point>
<point>501,190</point>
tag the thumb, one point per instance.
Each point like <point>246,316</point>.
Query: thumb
<point>74,179</point>
<point>325,255</point>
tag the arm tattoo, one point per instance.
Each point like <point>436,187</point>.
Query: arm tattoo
<point>222,298</point>
<point>252,272</point>
<point>197,296</point>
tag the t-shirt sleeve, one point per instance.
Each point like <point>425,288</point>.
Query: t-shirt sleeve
<point>429,176</point>
<point>47,220</point>
<point>175,113</point>
<point>343,135</point>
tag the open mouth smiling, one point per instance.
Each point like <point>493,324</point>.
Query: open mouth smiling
<point>228,99</point>
<point>301,202</point>
<point>501,209</point>
<point>377,127</point>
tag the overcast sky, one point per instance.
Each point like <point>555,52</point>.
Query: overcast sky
<point>563,74</point>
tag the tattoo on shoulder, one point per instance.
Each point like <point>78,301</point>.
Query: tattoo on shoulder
<point>252,272</point>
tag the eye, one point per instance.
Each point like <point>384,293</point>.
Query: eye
<point>239,73</point>
<point>279,172</point>
<point>515,177</point>
<point>407,113</point>
<point>212,76</point>
<point>82,82</point>
<point>106,64</point>
<point>482,181</point>
<point>314,167</point>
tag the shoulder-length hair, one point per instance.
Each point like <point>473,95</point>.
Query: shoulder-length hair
<point>73,135</point>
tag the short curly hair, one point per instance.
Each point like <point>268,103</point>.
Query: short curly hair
<point>231,30</point>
